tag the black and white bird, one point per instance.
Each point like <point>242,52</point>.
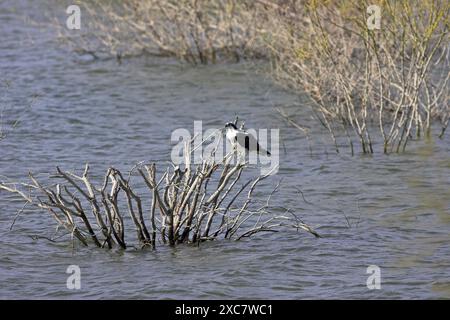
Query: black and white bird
<point>243,139</point>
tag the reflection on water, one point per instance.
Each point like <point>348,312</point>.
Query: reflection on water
<point>392,211</point>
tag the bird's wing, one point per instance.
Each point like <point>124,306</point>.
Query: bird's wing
<point>249,142</point>
<point>242,138</point>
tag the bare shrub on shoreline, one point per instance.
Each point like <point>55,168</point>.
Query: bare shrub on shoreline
<point>185,205</point>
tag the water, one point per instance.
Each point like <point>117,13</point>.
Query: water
<point>386,210</point>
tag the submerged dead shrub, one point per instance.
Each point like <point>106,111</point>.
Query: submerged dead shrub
<point>184,205</point>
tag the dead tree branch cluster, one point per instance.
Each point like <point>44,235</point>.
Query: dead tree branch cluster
<point>183,205</point>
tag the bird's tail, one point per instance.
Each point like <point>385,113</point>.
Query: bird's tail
<point>262,150</point>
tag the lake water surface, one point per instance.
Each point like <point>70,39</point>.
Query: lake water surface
<point>392,211</point>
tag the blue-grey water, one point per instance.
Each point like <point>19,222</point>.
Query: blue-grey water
<point>392,211</point>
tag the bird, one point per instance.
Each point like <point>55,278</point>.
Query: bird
<point>243,139</point>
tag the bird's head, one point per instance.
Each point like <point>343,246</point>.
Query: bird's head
<point>230,126</point>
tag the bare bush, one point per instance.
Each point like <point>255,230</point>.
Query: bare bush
<point>396,77</point>
<point>391,83</point>
<point>185,205</point>
<point>197,31</point>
